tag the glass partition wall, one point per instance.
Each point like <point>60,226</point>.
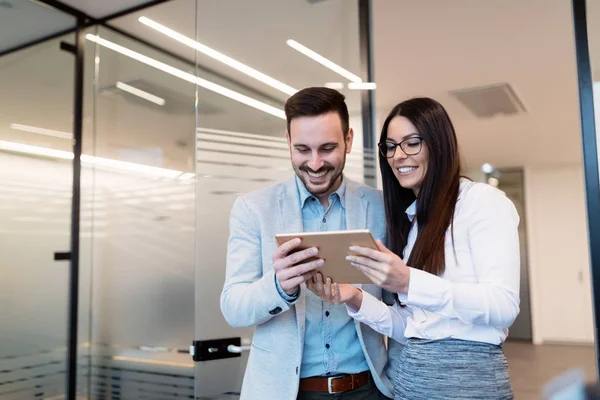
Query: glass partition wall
<point>175,127</point>
<point>218,121</point>
<point>36,105</point>
<point>182,113</point>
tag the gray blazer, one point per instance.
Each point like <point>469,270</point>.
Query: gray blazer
<point>250,297</point>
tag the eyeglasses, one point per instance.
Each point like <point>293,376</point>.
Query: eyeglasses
<point>410,146</point>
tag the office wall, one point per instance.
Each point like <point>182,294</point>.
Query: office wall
<point>558,255</point>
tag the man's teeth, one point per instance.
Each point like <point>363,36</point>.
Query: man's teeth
<point>315,175</point>
<point>404,170</point>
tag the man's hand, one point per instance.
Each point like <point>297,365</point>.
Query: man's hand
<point>291,270</point>
<point>334,293</point>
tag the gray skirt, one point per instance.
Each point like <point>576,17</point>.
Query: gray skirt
<point>452,369</point>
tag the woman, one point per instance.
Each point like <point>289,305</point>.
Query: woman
<point>453,263</point>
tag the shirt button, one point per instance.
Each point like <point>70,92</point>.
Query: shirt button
<point>327,345</point>
<point>324,220</point>
<point>327,313</point>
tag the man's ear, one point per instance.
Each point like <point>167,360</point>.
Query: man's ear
<point>349,139</point>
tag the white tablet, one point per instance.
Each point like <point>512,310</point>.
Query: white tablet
<point>333,248</point>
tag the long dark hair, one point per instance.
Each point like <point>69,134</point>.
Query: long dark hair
<point>438,192</point>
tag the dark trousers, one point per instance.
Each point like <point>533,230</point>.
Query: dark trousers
<point>367,392</point>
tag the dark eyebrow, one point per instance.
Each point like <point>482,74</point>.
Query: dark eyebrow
<point>410,135</point>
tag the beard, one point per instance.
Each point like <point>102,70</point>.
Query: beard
<point>331,177</point>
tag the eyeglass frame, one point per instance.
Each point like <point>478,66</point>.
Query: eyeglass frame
<point>396,145</point>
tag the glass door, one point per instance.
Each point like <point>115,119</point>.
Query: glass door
<point>36,160</point>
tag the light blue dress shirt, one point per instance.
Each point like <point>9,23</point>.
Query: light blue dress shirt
<point>331,344</point>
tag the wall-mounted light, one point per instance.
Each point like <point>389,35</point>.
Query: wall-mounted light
<point>487,168</point>
<point>493,181</point>
<point>204,49</point>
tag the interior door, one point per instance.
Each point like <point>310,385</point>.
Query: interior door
<point>36,160</point>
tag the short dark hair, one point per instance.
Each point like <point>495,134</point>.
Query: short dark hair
<point>315,101</point>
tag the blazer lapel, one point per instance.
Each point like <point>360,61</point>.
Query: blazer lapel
<point>356,218</point>
<point>356,207</point>
<point>290,214</point>
<point>290,218</point>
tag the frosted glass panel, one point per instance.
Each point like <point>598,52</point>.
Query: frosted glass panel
<point>35,210</point>
<point>141,227</point>
<point>244,149</point>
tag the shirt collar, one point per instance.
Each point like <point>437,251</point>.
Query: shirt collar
<point>411,211</point>
<point>304,194</point>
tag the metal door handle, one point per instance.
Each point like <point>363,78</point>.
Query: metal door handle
<point>216,349</point>
<point>237,349</point>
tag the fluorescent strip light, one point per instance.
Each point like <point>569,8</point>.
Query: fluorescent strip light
<point>94,161</point>
<point>42,131</point>
<point>221,132</point>
<point>362,86</point>
<point>249,101</point>
<point>35,150</point>
<point>140,93</point>
<point>243,68</point>
<point>334,85</point>
<point>323,61</point>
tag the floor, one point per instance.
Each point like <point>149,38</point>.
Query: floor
<point>531,367</point>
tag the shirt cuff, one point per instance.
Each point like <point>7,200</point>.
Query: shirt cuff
<point>373,312</point>
<point>288,299</point>
<point>426,291</point>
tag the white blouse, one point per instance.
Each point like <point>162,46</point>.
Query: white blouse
<point>477,297</point>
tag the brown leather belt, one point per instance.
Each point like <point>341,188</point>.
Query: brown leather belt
<point>334,384</point>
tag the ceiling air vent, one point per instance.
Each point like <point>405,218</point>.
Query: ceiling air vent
<point>488,101</point>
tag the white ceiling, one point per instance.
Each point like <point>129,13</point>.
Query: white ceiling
<point>424,48</point>
<point>430,47</point>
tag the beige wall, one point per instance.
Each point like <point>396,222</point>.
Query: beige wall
<point>558,255</point>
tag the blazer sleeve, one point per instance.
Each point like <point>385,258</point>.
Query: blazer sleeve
<point>249,297</point>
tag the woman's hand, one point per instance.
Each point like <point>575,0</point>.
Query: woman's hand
<point>334,293</point>
<point>383,267</point>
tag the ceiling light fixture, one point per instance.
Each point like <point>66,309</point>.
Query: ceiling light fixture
<point>42,131</point>
<point>249,101</point>
<point>140,93</point>
<point>362,86</point>
<point>493,181</point>
<point>334,85</point>
<point>107,163</point>
<point>243,68</point>
<point>323,61</point>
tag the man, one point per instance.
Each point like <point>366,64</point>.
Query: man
<point>302,347</point>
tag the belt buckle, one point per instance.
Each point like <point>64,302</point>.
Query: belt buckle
<point>329,388</point>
